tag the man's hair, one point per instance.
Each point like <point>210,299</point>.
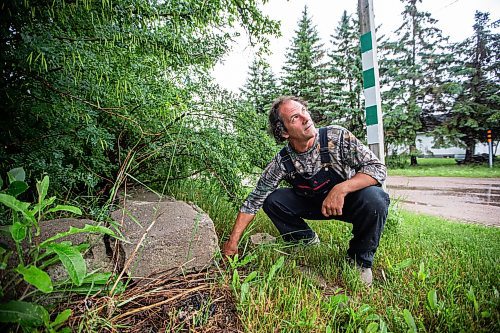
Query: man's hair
<point>276,125</point>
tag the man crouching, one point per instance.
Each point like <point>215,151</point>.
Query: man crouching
<point>333,176</point>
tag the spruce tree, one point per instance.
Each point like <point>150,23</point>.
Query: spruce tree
<point>414,69</point>
<point>302,72</point>
<point>477,105</point>
<point>344,78</point>
<point>260,88</point>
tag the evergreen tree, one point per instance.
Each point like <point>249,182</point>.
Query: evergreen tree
<point>344,97</point>
<point>415,71</point>
<point>302,72</point>
<point>476,74</point>
<point>260,88</point>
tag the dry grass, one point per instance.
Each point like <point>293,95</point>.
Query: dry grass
<point>165,303</point>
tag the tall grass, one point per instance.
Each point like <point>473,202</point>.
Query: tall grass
<point>447,167</point>
<point>430,275</point>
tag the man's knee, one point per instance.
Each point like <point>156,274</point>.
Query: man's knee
<point>281,200</point>
<point>271,201</point>
<point>373,199</point>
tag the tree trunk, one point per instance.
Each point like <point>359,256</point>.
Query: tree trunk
<point>413,155</point>
<point>469,151</point>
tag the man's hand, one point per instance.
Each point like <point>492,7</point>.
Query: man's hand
<point>334,201</point>
<point>230,249</point>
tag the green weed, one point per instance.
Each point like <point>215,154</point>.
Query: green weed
<point>430,275</point>
<point>444,167</point>
<point>34,257</point>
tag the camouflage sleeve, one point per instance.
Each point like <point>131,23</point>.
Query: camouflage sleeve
<point>360,158</point>
<point>268,182</point>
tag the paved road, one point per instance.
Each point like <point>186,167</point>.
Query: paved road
<point>473,200</point>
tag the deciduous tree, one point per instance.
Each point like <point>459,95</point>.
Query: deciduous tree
<point>92,89</point>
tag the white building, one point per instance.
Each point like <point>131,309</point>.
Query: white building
<point>425,145</point>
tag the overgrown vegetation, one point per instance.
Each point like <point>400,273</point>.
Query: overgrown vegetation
<point>93,91</point>
<point>24,264</point>
<point>97,93</point>
<point>430,275</point>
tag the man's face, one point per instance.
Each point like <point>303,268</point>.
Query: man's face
<point>299,127</point>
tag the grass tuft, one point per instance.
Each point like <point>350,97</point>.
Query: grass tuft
<point>429,273</point>
<point>446,167</point>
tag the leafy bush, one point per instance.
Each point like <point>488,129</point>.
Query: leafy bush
<point>400,161</point>
<point>34,258</point>
<point>95,92</point>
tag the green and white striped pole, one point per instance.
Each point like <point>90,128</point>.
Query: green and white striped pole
<point>371,83</point>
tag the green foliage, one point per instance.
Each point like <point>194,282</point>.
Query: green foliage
<point>23,313</point>
<point>344,78</point>
<point>29,315</point>
<point>415,69</point>
<point>410,321</point>
<point>34,258</point>
<point>303,68</point>
<point>394,218</point>
<point>397,161</point>
<point>260,88</point>
<point>91,89</point>
<point>476,106</point>
<point>36,277</point>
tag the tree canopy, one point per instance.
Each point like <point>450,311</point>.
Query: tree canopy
<point>476,106</point>
<point>413,71</point>
<point>302,71</point>
<point>344,93</point>
<point>261,86</point>
<point>93,90</point>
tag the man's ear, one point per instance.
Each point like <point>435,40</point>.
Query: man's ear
<point>284,134</point>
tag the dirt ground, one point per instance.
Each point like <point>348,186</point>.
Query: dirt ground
<point>472,200</point>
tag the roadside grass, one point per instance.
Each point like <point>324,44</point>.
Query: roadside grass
<point>447,167</point>
<point>430,275</point>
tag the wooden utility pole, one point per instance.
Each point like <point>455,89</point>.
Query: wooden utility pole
<point>371,83</point>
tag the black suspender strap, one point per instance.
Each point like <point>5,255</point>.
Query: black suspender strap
<point>323,152</point>
<point>323,143</point>
<point>286,160</point>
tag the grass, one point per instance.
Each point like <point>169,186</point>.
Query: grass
<point>431,275</point>
<point>447,167</point>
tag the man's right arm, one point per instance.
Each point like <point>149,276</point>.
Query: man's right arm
<point>242,221</point>
<point>268,182</point>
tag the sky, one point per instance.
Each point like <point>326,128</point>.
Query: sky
<point>455,19</point>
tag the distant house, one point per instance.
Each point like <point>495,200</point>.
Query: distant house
<point>425,145</point>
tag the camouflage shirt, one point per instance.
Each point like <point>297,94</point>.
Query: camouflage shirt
<point>348,156</point>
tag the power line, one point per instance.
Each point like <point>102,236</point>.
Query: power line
<point>448,5</point>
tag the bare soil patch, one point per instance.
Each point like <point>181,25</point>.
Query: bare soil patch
<point>191,303</point>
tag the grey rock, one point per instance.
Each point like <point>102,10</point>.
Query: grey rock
<point>95,257</point>
<point>262,238</point>
<point>182,237</point>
